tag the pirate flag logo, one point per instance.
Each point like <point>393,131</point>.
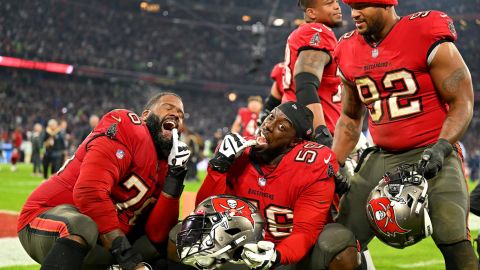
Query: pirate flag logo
<point>233,207</point>
<point>384,216</point>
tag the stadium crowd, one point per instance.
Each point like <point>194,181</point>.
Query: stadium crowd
<point>206,42</point>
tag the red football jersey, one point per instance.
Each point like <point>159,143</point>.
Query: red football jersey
<point>294,198</point>
<point>315,36</point>
<point>113,179</point>
<point>249,121</point>
<point>277,76</point>
<point>392,78</point>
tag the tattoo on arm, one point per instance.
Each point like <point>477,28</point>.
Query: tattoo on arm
<point>350,130</point>
<point>312,61</point>
<point>452,82</point>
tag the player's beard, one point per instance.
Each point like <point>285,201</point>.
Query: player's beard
<point>162,145</point>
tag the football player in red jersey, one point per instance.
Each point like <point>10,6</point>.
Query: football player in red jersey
<point>310,75</point>
<point>290,180</point>
<point>417,88</point>
<point>246,119</point>
<point>124,180</point>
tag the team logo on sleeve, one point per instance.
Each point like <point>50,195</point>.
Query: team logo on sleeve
<point>233,207</point>
<point>384,216</point>
<point>315,39</point>
<point>452,28</point>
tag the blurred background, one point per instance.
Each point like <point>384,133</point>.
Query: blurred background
<point>71,60</point>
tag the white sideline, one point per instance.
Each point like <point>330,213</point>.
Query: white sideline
<point>12,253</point>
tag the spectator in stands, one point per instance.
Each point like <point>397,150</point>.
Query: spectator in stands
<point>37,145</point>
<point>54,144</point>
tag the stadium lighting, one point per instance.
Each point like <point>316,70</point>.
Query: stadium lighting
<point>246,18</point>
<point>278,22</point>
<point>232,97</point>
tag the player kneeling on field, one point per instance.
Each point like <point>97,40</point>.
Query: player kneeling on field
<point>116,199</point>
<point>291,181</point>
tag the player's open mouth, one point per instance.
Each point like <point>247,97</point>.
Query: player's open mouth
<point>167,126</point>
<point>261,140</point>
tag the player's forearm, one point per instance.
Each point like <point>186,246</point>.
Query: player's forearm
<point>347,132</point>
<point>457,121</point>
<point>295,247</point>
<point>162,219</point>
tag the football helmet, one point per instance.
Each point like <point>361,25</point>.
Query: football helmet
<point>397,208</point>
<point>217,231</point>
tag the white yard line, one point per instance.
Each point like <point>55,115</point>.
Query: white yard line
<point>12,253</point>
<point>421,264</point>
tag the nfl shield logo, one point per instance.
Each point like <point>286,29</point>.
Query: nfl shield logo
<point>375,53</point>
<point>120,154</point>
<point>262,181</point>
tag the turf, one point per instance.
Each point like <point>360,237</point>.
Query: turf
<point>16,186</point>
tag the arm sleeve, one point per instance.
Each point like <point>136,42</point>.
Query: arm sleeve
<point>311,213</point>
<point>100,170</point>
<point>215,183</point>
<point>162,219</point>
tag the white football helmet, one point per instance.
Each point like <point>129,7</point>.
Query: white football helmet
<point>397,208</point>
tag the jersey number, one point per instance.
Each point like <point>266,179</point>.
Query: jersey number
<point>135,182</point>
<point>370,95</point>
<point>279,221</point>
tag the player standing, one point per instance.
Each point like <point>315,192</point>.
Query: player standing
<point>310,75</point>
<point>412,79</point>
<point>246,119</point>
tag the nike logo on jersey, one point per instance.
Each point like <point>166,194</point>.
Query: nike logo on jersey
<point>118,119</point>
<point>327,160</point>
<point>317,29</point>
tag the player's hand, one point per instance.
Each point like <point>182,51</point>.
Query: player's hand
<point>232,146</point>
<point>202,262</point>
<point>342,181</point>
<point>180,152</point>
<point>177,161</point>
<point>432,158</point>
<point>323,136</point>
<point>123,253</point>
<point>261,255</point>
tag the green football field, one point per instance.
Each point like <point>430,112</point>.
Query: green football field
<point>16,186</point>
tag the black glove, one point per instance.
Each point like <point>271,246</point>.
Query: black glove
<point>323,136</point>
<point>232,146</point>
<point>123,253</point>
<point>342,181</point>
<point>432,158</point>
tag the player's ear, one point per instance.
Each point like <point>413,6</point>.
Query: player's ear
<point>145,114</point>
<point>310,15</point>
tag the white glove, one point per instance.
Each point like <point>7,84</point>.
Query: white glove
<point>180,152</point>
<point>202,262</point>
<point>259,256</point>
<point>233,145</point>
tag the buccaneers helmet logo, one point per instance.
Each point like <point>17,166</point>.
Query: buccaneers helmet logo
<point>233,207</point>
<point>384,216</point>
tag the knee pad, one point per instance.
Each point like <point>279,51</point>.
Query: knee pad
<point>334,239</point>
